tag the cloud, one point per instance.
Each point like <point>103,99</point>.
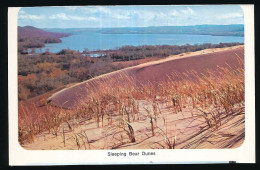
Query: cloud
<point>82,18</point>
<point>72,7</point>
<point>230,15</point>
<point>188,11</point>
<point>119,16</point>
<point>103,10</point>
<point>21,12</point>
<point>173,13</point>
<point>92,9</point>
<point>63,16</point>
<point>115,13</point>
<point>31,17</point>
<point>144,15</point>
<point>149,15</point>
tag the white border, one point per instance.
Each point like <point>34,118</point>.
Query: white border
<point>243,154</point>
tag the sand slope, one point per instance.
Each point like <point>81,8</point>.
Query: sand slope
<point>199,61</point>
<point>187,127</point>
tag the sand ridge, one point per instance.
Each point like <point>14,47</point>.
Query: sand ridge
<point>188,126</point>
<point>72,97</point>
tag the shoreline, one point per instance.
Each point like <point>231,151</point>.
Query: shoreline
<point>108,51</point>
<point>113,50</point>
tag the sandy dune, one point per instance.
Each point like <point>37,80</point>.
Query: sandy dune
<point>199,61</point>
<point>187,127</point>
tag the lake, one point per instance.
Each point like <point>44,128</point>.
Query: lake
<point>93,41</point>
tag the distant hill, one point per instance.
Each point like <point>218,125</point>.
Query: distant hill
<point>31,37</point>
<point>217,30</point>
<point>29,31</point>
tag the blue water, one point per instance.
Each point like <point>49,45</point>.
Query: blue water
<point>94,41</point>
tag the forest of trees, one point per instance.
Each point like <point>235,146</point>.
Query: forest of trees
<point>43,72</point>
<point>34,42</point>
<point>127,53</point>
<point>38,74</point>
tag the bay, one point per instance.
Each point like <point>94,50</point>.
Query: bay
<point>94,41</point>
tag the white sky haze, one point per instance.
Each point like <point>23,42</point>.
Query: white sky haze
<point>129,16</point>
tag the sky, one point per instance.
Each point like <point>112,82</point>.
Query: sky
<point>129,16</point>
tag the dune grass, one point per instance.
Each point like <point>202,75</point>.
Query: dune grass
<point>115,103</point>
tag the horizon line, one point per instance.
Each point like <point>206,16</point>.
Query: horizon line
<point>128,26</point>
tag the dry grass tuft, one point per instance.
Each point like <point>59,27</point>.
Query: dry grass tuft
<point>114,102</point>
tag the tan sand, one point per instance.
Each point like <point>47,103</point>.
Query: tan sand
<point>188,126</point>
<point>154,71</point>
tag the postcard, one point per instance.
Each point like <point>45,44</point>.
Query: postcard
<point>127,84</point>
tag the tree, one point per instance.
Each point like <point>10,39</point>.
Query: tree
<point>85,50</point>
<point>33,50</point>
<point>47,50</point>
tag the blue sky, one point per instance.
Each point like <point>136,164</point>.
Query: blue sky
<point>129,16</point>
